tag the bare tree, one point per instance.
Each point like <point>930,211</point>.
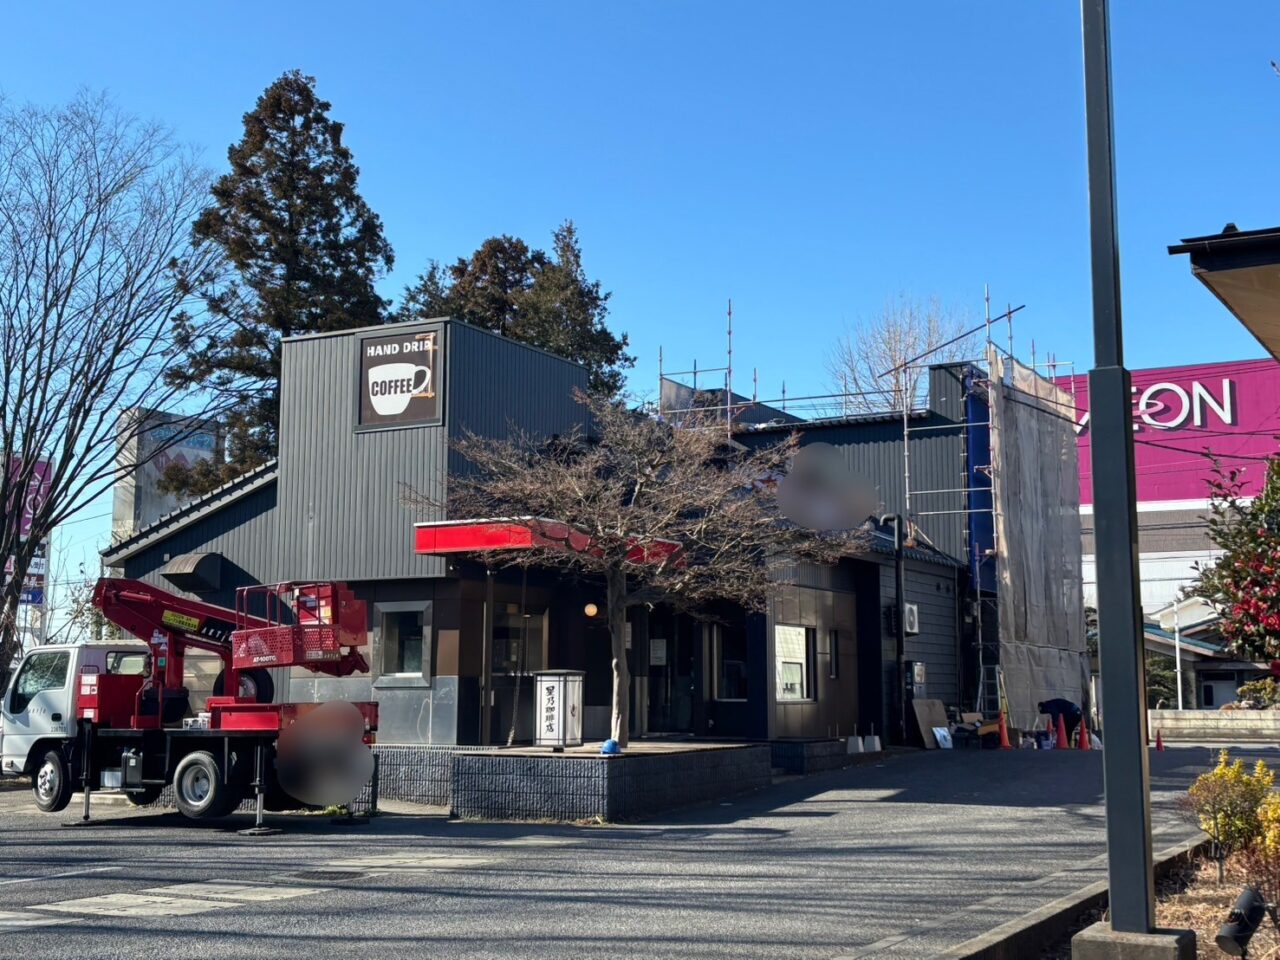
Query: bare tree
<point>869,363</point>
<point>661,514</point>
<point>95,262</point>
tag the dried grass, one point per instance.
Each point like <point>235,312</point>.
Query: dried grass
<point>1204,905</point>
<point>1192,899</point>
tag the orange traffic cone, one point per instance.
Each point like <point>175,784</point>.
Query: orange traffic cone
<point>1004,734</point>
<point>1159,742</point>
<point>1084,735</point>
<point>1063,743</point>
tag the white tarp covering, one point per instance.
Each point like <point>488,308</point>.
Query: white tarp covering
<point>1036,489</point>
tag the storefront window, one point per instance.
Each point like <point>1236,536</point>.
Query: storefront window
<point>519,639</point>
<point>729,651</point>
<point>403,641</point>
<point>793,649</point>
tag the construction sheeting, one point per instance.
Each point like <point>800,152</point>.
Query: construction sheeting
<point>1037,517</point>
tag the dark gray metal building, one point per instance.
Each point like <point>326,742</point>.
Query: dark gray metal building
<point>367,414</point>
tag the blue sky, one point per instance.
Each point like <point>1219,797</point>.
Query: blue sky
<point>807,160</point>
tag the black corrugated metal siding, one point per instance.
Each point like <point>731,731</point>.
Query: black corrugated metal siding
<point>341,512</point>
<point>933,590</point>
<point>874,452</point>
<point>243,532</point>
<point>495,384</point>
<point>340,515</point>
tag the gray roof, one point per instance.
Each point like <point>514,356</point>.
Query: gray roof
<point>211,502</point>
<point>882,542</point>
<point>804,426</point>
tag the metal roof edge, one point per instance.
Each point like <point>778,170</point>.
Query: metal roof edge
<point>175,520</point>
<point>1206,243</point>
<point>375,328</point>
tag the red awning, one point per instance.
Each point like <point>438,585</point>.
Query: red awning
<point>475,536</point>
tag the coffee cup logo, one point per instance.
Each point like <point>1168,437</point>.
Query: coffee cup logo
<point>393,385</point>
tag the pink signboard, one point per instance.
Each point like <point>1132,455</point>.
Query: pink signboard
<point>37,492</point>
<point>1230,410</point>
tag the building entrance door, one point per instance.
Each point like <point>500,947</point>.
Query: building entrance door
<point>674,645</point>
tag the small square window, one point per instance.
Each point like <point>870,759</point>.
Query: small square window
<point>404,639</point>
<point>793,656</point>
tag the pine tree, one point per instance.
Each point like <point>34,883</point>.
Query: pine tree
<point>1244,584</point>
<point>302,251</point>
<point>543,299</point>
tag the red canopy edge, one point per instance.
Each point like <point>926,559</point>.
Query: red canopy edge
<point>442,537</point>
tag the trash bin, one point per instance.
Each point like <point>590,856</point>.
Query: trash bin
<point>558,723</point>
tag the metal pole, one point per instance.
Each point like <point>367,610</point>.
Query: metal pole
<point>486,663</point>
<point>1126,775</point>
<point>728,378</point>
<point>900,631</point>
<point>1177,651</point>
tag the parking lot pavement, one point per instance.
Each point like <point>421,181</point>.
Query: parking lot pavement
<point>876,861</point>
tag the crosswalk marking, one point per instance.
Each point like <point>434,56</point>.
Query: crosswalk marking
<point>17,921</point>
<point>136,905</point>
<point>231,890</point>
<point>529,842</point>
<point>431,861</point>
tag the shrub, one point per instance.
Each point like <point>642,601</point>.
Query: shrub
<point>1262,858</point>
<point>1225,802</point>
<point>1266,692</point>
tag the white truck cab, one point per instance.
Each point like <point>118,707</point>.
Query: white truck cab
<point>39,706</point>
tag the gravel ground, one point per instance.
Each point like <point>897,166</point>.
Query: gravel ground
<point>899,860</point>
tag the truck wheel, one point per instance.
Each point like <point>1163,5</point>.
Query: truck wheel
<point>51,783</point>
<point>255,683</point>
<point>199,788</point>
<point>144,797</point>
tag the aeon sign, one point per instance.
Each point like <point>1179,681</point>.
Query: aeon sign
<point>1167,405</point>
<point>1183,417</point>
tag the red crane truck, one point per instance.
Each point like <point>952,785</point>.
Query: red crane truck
<point>118,716</point>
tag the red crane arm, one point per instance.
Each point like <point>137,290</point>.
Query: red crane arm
<point>141,609</point>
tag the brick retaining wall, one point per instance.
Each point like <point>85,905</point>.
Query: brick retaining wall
<point>1225,725</point>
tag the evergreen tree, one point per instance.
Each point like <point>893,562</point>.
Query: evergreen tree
<point>543,299</point>
<point>302,249</point>
<point>1244,584</point>
<point>1162,682</point>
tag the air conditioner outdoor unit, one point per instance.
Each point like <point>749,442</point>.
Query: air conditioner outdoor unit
<point>910,618</point>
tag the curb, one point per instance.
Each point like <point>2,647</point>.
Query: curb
<point>1023,937</point>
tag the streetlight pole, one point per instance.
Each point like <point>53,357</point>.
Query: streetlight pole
<point>1128,807</point>
<point>1177,650</point>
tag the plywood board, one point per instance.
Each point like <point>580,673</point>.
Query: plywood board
<point>929,714</point>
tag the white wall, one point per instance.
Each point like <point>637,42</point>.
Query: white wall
<point>1163,576</point>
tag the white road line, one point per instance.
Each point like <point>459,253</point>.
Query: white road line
<point>136,905</point>
<point>529,842</point>
<point>68,873</point>
<point>18,921</point>
<point>231,890</point>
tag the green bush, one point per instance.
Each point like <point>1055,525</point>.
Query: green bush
<point>1266,691</point>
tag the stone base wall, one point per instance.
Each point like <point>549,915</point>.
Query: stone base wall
<point>1229,726</point>
<point>417,773</point>
<point>815,756</point>
<point>494,786</point>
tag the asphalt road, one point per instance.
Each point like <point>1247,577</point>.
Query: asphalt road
<point>899,860</point>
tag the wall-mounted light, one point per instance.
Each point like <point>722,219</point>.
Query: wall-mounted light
<point>590,609</point>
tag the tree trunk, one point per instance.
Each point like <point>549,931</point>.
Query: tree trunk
<point>616,591</point>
